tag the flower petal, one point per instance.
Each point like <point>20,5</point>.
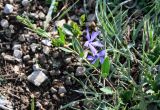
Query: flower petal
<point>93,50</point>
<point>93,62</point>
<point>94,35</point>
<point>97,44</point>
<point>86,44</point>
<point>90,58</point>
<point>87,36</point>
<point>101,59</point>
<point>102,53</point>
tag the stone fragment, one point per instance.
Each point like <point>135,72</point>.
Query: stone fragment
<point>91,17</point>
<point>17,54</point>
<point>41,15</point>
<point>47,42</point>
<point>60,23</point>
<point>46,50</point>
<point>8,9</point>
<point>37,78</point>
<point>61,90</point>
<point>80,71</point>
<point>25,2</point>
<point>53,90</point>
<point>26,57</point>
<point>33,47</point>
<point>16,47</point>
<point>4,23</point>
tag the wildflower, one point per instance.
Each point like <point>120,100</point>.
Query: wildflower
<point>100,56</point>
<point>89,43</point>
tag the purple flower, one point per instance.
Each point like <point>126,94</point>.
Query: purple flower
<point>89,43</point>
<point>100,56</point>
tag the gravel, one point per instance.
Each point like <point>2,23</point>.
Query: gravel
<point>61,90</point>
<point>37,78</point>
<point>80,71</point>
<point>4,23</point>
<point>46,42</point>
<point>17,54</point>
<point>8,9</point>
<point>25,2</point>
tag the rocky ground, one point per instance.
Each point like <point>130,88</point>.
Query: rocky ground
<point>23,53</point>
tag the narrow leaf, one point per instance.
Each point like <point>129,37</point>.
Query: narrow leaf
<point>105,68</point>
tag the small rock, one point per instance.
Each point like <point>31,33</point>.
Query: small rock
<point>25,2</point>
<point>8,57</point>
<point>4,23</point>
<point>68,81</point>
<point>16,47</point>
<point>80,71</point>
<point>16,69</point>
<point>17,54</point>
<point>5,104</point>
<point>60,23</point>
<point>47,42</point>
<point>37,77</point>
<point>34,46</point>
<point>55,73</point>
<point>68,60</point>
<point>8,9</point>
<point>74,18</point>
<point>91,17</point>
<point>22,38</point>
<point>41,15</point>
<point>36,67</point>
<point>53,90</point>
<point>33,15</point>
<point>26,57</point>
<point>61,90</point>
<point>46,50</point>
<point>55,54</point>
<point>39,105</point>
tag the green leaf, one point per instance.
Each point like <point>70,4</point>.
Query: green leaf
<point>107,90</point>
<point>76,29</point>
<point>105,68</point>
<point>66,50</point>
<point>82,20</point>
<point>77,47</point>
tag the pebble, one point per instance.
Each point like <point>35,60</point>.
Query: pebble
<point>68,81</point>
<point>8,57</point>
<point>36,67</point>
<point>17,54</point>
<point>47,42</point>
<point>34,46</point>
<point>91,17</point>
<point>41,15</point>
<point>61,90</point>
<point>53,90</point>
<point>22,38</point>
<point>26,57</point>
<point>46,50</point>
<point>80,71</point>
<point>5,104</point>
<point>37,77</point>
<point>8,9</point>
<point>25,2</point>
<point>16,47</point>
<point>4,23</point>
<point>68,60</point>
<point>55,54</point>
<point>60,23</point>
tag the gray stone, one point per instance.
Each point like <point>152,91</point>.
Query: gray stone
<point>91,17</point>
<point>8,9</point>
<point>17,54</point>
<point>41,15</point>
<point>68,80</point>
<point>80,71</point>
<point>26,57</point>
<point>37,78</point>
<point>22,38</point>
<point>62,90</point>
<point>25,2</point>
<point>53,90</point>
<point>16,47</point>
<point>4,23</point>
<point>46,50</point>
<point>60,23</point>
<point>5,104</point>
<point>68,60</point>
<point>36,67</point>
<point>34,46</point>
<point>47,42</point>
